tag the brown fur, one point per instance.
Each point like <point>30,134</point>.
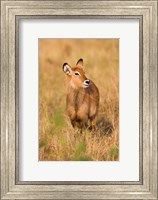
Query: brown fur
<point>82,103</point>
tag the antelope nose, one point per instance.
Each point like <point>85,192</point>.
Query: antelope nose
<point>87,82</point>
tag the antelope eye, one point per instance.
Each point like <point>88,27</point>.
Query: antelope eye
<point>77,73</point>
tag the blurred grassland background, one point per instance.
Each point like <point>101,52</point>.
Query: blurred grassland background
<point>57,139</point>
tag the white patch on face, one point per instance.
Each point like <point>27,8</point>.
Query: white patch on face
<point>85,86</point>
<point>72,85</point>
<point>86,83</point>
<point>77,73</point>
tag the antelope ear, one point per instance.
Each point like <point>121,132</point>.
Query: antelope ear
<point>67,69</point>
<point>80,63</point>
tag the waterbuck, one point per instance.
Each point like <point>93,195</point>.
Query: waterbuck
<point>82,101</point>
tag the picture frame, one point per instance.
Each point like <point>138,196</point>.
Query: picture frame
<point>11,12</point>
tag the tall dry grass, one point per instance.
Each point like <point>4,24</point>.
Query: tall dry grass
<point>57,139</point>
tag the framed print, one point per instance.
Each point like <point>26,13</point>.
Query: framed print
<point>79,99</point>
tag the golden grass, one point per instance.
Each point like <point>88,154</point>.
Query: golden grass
<point>57,139</point>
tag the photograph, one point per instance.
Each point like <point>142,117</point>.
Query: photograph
<point>78,99</point>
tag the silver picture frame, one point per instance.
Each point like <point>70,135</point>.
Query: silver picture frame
<point>11,12</point>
